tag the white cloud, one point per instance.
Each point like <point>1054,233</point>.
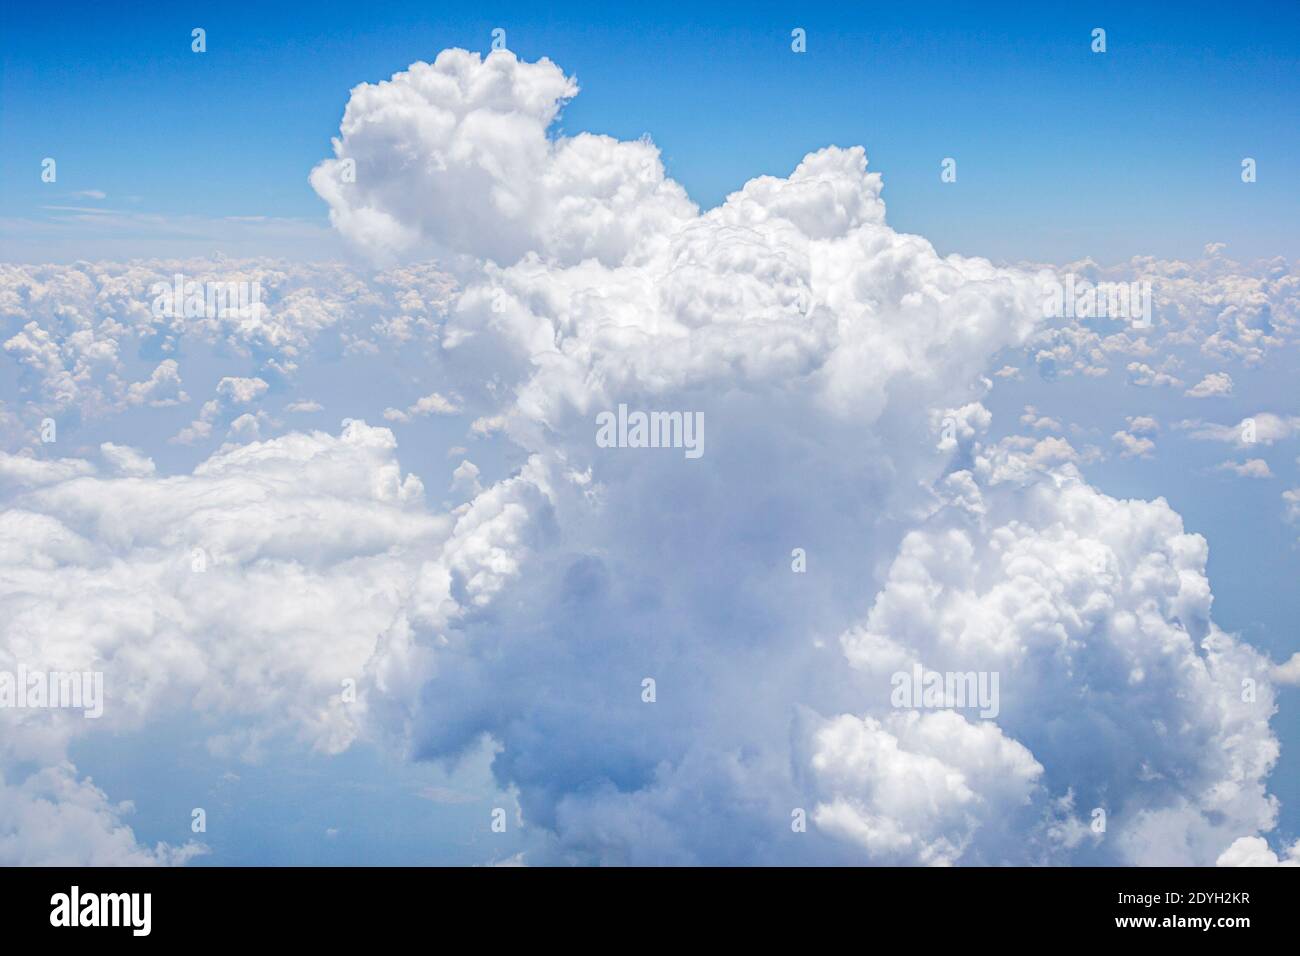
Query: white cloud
<point>53,819</point>
<point>295,537</point>
<point>1096,613</point>
<point>1224,310</point>
<point>26,470</point>
<point>232,393</point>
<point>1142,424</point>
<point>1287,673</point>
<point>465,478</point>
<point>240,391</point>
<point>126,461</point>
<point>431,404</point>
<point>1143,375</point>
<point>79,327</point>
<point>488,182</point>
<point>1038,422</point>
<point>1214,385</point>
<point>162,388</point>
<point>917,788</point>
<point>1263,427</point>
<point>251,588</point>
<point>1131,446</point>
<point>1254,851</point>
<point>1250,468</point>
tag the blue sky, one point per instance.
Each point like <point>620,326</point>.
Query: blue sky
<point>1062,153</point>
<point>517,585</point>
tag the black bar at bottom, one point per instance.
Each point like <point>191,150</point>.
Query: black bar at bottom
<point>333,906</point>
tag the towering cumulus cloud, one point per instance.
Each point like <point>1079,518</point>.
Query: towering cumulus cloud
<point>676,658</point>
<point>827,353</point>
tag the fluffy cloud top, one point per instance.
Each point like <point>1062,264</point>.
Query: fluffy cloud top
<point>452,156</point>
